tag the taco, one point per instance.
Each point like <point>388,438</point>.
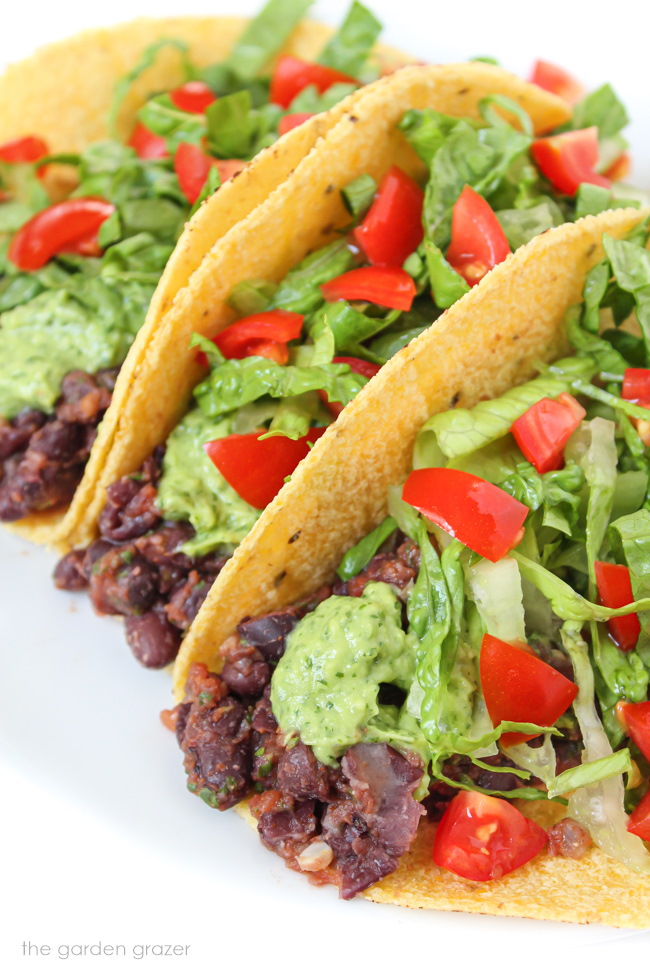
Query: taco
<point>297,350</point>
<point>98,187</point>
<point>374,695</point>
<point>278,365</point>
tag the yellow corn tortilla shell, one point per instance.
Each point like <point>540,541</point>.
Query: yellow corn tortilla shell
<point>63,92</point>
<point>72,113</point>
<point>595,889</point>
<point>302,214</point>
<point>483,345</point>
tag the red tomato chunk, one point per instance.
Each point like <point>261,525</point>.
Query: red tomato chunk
<point>147,144</point>
<point>289,122</point>
<point>255,468</point>
<point>292,75</point>
<point>639,823</point>
<point>615,590</point>
<point>636,385</point>
<point>635,718</point>
<point>59,228</point>
<point>558,81</point>
<point>26,150</point>
<point>543,430</point>
<point>483,838</point>
<point>478,513</point>
<point>518,686</point>
<point>392,229</point>
<point>570,159</point>
<point>391,287</point>
<point>478,242</point>
<point>193,96</point>
<point>276,326</point>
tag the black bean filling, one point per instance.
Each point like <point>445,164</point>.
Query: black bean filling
<point>347,825</point>
<point>136,569</point>
<point>42,458</point>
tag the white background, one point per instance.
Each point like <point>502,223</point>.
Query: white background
<point>101,843</point>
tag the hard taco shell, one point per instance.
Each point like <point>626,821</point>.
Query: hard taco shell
<point>486,343</point>
<point>73,112</point>
<point>302,214</point>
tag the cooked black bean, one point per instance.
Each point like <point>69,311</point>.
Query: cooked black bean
<point>152,638</point>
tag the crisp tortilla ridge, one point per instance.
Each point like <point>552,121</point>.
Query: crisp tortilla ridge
<point>302,214</point>
<point>72,113</point>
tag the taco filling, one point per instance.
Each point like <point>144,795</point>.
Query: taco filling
<point>77,275</point>
<point>304,347</point>
<point>486,645</point>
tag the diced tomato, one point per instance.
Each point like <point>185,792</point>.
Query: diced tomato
<point>277,326</point>
<point>87,246</point>
<point>615,590</point>
<point>639,823</point>
<point>636,385</point>
<point>28,149</point>
<point>570,159</point>
<point>483,837</point>
<point>392,229</point>
<point>551,78</point>
<point>268,349</point>
<point>193,96</point>
<point>478,242</point>
<point>289,122</point>
<point>147,144</point>
<point>255,468</point>
<point>636,389</point>
<point>518,686</point>
<point>56,229</point>
<point>229,167</point>
<point>192,167</point>
<point>478,513</point>
<point>620,168</point>
<point>361,367</point>
<point>391,287</point>
<point>543,430</point>
<point>635,718</point>
<point>292,75</point>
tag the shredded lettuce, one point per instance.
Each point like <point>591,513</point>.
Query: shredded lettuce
<point>496,589</point>
<point>359,194</point>
<point>348,50</point>
<point>598,807</point>
<point>236,382</point>
<point>631,264</point>
<point>300,289</point>
<point>357,557</point>
<point>264,36</point>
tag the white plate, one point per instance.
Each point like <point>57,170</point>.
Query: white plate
<point>104,843</point>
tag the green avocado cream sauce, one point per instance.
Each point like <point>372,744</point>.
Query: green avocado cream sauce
<point>192,489</point>
<point>326,686</point>
<point>87,326</point>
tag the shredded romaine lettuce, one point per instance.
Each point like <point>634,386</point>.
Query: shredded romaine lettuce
<point>496,589</point>
<point>599,807</point>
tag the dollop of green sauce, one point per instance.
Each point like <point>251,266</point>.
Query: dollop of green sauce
<point>192,489</point>
<point>87,326</point>
<point>326,686</point>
